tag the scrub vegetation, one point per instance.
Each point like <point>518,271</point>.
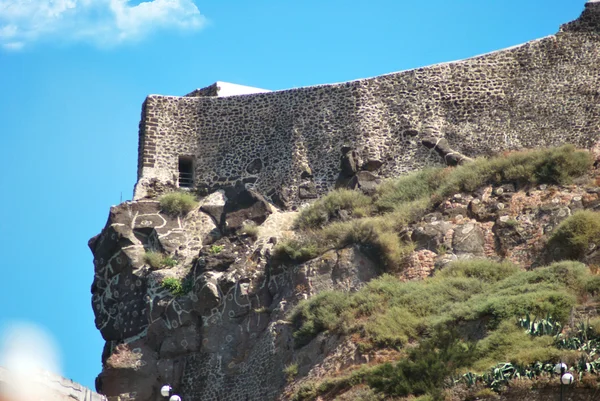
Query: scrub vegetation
<point>477,323</point>
<point>465,321</point>
<point>178,203</point>
<point>345,217</point>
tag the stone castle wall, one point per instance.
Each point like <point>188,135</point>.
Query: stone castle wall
<point>543,93</point>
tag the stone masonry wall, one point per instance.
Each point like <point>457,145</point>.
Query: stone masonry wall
<point>543,93</point>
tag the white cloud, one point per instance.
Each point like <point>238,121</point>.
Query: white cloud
<point>103,22</point>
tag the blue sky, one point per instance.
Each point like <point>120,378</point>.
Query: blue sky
<point>73,76</point>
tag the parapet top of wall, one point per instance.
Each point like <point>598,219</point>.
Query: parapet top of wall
<point>225,89</point>
<point>589,21</point>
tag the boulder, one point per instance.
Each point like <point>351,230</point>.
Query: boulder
<point>372,165</point>
<point>468,239</point>
<point>365,181</point>
<point>308,190</point>
<point>254,167</point>
<point>244,206</point>
<point>431,236</point>
<point>349,161</point>
<point>213,206</point>
<point>442,147</point>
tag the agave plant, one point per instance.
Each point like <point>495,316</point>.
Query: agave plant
<point>543,327</point>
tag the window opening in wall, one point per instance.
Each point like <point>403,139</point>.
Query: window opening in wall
<point>186,172</point>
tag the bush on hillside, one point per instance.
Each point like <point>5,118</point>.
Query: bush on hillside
<point>324,209</point>
<point>377,236</point>
<point>426,369</point>
<point>177,286</point>
<point>296,250</point>
<point>575,236</point>
<point>157,260</point>
<point>390,312</point>
<point>178,203</point>
<point>551,166</point>
<point>374,222</point>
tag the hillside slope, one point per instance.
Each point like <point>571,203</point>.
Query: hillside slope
<point>234,299</point>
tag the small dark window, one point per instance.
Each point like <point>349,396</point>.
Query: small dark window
<point>186,172</point>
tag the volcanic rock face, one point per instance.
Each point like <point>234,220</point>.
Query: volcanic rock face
<point>223,336</point>
<point>210,314</point>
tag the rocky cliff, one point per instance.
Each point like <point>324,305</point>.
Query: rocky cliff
<point>227,294</point>
<point>212,315</point>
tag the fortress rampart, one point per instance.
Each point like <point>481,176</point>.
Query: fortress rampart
<point>542,93</point>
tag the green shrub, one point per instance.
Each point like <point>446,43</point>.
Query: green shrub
<point>376,221</point>
<point>594,325</point>
<point>178,203</point>
<point>389,312</point>
<point>468,299</point>
<point>392,194</point>
<point>169,261</point>
<point>511,343</point>
<point>157,260</point>
<point>154,259</point>
<point>553,166</point>
<point>291,371</point>
<point>426,369</point>
<point>322,210</point>
<point>486,393</point>
<point>377,236</point>
<point>250,229</point>
<point>296,250</point>
<point>172,284</point>
<point>177,286</point>
<point>393,328</point>
<point>216,249</point>
<point>575,236</point>
<point>482,269</point>
<point>322,312</point>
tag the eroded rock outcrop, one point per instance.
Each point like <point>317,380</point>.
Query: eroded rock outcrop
<point>223,336</point>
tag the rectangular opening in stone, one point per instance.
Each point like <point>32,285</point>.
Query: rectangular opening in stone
<point>186,172</point>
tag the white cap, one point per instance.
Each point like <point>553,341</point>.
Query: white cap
<point>175,398</point>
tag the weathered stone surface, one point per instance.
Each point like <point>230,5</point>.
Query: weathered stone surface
<point>431,236</point>
<point>372,165</point>
<point>468,239</point>
<point>365,181</point>
<point>442,147</point>
<point>231,325</point>
<point>254,166</point>
<point>349,162</point>
<point>224,334</point>
<point>307,190</point>
<point>245,206</point>
<point>130,373</point>
<point>345,269</point>
<point>481,105</point>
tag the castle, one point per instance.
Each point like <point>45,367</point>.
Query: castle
<point>286,144</point>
